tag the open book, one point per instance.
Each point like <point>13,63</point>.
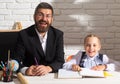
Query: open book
<point>63,73</point>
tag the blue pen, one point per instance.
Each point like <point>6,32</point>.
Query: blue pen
<point>2,63</point>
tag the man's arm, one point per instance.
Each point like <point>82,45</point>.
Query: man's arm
<point>59,54</point>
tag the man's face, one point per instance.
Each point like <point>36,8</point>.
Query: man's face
<point>43,19</point>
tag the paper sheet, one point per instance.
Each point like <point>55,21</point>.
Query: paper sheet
<point>63,73</point>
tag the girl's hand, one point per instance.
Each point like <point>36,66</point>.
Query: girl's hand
<point>99,67</point>
<point>76,67</point>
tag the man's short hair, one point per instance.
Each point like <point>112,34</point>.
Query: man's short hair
<point>44,5</point>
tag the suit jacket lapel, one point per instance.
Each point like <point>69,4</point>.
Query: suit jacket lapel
<point>36,42</point>
<point>50,43</point>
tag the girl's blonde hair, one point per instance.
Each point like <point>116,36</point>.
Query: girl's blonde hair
<point>92,35</point>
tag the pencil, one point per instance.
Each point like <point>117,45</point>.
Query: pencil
<point>79,72</point>
<point>1,66</point>
<point>8,56</point>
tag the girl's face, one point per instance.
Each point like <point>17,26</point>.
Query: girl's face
<point>92,46</point>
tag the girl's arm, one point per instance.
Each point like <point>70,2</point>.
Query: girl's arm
<point>109,66</point>
<point>75,60</point>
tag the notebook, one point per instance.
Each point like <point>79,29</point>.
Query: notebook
<point>63,73</point>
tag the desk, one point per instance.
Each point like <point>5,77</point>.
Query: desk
<point>52,79</point>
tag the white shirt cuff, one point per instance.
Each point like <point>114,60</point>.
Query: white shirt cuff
<point>22,70</point>
<point>110,67</point>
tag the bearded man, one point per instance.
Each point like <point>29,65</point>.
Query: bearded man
<point>39,48</point>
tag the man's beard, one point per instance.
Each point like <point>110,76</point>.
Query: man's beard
<point>42,29</point>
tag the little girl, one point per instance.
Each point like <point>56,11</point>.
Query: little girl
<point>91,58</point>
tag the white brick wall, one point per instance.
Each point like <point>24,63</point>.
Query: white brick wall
<point>76,18</point>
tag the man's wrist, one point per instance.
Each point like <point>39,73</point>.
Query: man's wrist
<point>49,68</point>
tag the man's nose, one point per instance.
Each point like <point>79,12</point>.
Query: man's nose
<point>44,17</point>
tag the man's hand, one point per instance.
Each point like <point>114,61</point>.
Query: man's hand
<point>31,71</point>
<point>38,70</point>
<point>42,70</point>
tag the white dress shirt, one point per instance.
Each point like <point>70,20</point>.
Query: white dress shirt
<point>89,62</point>
<point>43,40</point>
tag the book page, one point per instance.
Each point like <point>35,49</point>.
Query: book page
<point>63,73</point>
<point>91,73</point>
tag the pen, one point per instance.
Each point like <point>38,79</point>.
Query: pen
<point>79,69</point>
<point>36,61</point>
<point>2,64</point>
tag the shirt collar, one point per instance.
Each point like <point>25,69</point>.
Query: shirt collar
<point>88,57</point>
<point>42,39</point>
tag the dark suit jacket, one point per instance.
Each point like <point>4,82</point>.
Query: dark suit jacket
<point>29,46</point>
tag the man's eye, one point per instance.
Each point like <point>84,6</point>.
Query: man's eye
<point>48,16</point>
<point>40,15</point>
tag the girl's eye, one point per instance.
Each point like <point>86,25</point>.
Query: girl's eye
<point>88,45</point>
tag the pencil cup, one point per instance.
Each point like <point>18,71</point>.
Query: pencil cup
<point>7,76</point>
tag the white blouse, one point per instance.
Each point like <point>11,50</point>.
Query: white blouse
<point>89,62</point>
